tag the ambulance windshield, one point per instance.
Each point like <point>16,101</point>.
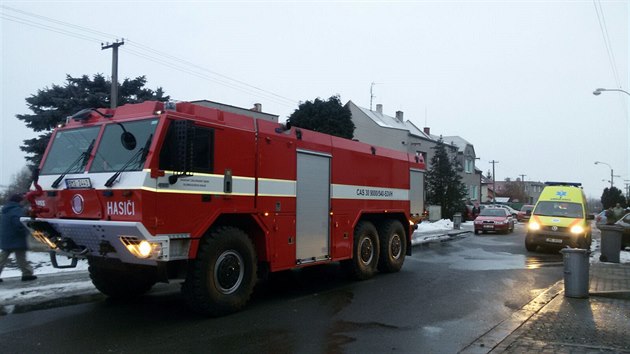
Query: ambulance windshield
<point>115,148</point>
<point>560,209</point>
<point>67,147</point>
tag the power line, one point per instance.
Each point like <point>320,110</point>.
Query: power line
<point>162,58</point>
<point>609,50</point>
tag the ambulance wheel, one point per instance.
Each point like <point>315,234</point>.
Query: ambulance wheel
<point>222,277</point>
<point>120,284</point>
<point>365,254</point>
<point>529,245</point>
<point>393,246</point>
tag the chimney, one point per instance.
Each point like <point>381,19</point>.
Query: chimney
<point>427,130</point>
<point>257,107</point>
<point>399,115</point>
<point>379,108</point>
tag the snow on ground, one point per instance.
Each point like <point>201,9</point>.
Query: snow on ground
<point>40,261</point>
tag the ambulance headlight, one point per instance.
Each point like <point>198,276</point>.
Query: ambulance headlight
<point>577,229</point>
<point>534,226</point>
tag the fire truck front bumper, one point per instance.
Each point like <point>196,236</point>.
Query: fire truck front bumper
<point>130,242</point>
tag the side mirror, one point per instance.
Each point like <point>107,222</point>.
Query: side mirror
<point>590,217</point>
<point>529,212</point>
<point>128,140</point>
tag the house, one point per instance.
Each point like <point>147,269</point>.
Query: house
<point>255,112</point>
<point>375,127</point>
<point>465,160</point>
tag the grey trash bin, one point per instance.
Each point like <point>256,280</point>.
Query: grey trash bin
<point>611,243</point>
<point>457,221</point>
<point>576,265</point>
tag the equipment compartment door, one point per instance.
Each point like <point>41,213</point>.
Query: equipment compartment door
<point>313,207</point>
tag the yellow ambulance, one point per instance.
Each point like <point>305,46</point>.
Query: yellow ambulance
<point>560,218</point>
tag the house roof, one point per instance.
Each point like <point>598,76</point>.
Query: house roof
<point>385,121</point>
<point>458,141</point>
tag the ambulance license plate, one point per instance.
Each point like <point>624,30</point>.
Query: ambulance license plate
<point>554,240</point>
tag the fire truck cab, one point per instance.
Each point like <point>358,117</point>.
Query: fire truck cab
<point>155,191</point>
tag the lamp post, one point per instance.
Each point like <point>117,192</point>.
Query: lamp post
<point>611,172</point>
<point>599,91</point>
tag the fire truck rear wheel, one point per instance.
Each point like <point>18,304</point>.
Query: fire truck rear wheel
<point>221,279</point>
<point>120,284</point>
<point>364,262</point>
<point>393,246</point>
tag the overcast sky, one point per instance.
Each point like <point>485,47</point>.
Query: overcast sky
<point>514,78</point>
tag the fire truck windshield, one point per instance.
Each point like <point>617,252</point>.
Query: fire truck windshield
<point>113,154</point>
<point>67,147</point>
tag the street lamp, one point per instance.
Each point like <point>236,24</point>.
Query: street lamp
<point>600,90</point>
<point>611,172</point>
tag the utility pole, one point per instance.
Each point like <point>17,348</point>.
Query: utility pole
<point>524,191</point>
<point>494,188</point>
<point>114,46</point>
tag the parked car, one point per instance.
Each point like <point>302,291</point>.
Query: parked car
<point>625,223</point>
<point>524,213</point>
<point>600,219</point>
<point>494,219</point>
<point>511,210</point>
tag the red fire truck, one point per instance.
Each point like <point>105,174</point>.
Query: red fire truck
<point>153,192</point>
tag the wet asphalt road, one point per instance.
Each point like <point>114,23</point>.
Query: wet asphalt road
<point>447,295</point>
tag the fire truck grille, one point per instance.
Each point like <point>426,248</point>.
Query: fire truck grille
<point>88,236</point>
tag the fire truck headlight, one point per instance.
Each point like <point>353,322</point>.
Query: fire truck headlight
<point>534,226</point>
<point>141,249</point>
<point>577,229</point>
<point>144,249</point>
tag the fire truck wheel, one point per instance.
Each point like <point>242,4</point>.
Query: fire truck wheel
<point>120,284</point>
<point>222,277</point>
<point>393,246</point>
<point>366,252</point>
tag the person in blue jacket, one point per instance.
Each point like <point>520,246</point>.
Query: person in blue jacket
<point>13,237</point>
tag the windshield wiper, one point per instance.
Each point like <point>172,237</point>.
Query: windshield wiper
<point>83,158</point>
<point>142,154</point>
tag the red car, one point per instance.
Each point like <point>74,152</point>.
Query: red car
<point>494,219</point>
<point>525,213</point>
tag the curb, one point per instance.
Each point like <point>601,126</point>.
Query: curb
<point>498,338</point>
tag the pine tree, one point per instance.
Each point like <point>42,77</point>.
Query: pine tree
<point>329,117</point>
<point>444,184</point>
<point>612,196</point>
<point>51,106</point>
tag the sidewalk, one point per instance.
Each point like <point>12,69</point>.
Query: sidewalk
<point>598,324</point>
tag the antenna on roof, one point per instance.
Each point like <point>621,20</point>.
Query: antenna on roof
<point>372,92</point>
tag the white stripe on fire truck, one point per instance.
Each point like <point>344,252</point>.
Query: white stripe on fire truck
<point>268,187</point>
<point>201,183</point>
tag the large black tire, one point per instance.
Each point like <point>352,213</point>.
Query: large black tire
<point>121,284</point>
<point>222,278</point>
<point>529,244</point>
<point>365,253</point>
<point>393,246</point>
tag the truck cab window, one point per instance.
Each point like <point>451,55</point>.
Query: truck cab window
<point>203,151</point>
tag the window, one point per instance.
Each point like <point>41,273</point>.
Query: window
<point>67,149</point>
<point>469,166</point>
<point>203,153</point>
<point>473,192</point>
<point>112,155</point>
